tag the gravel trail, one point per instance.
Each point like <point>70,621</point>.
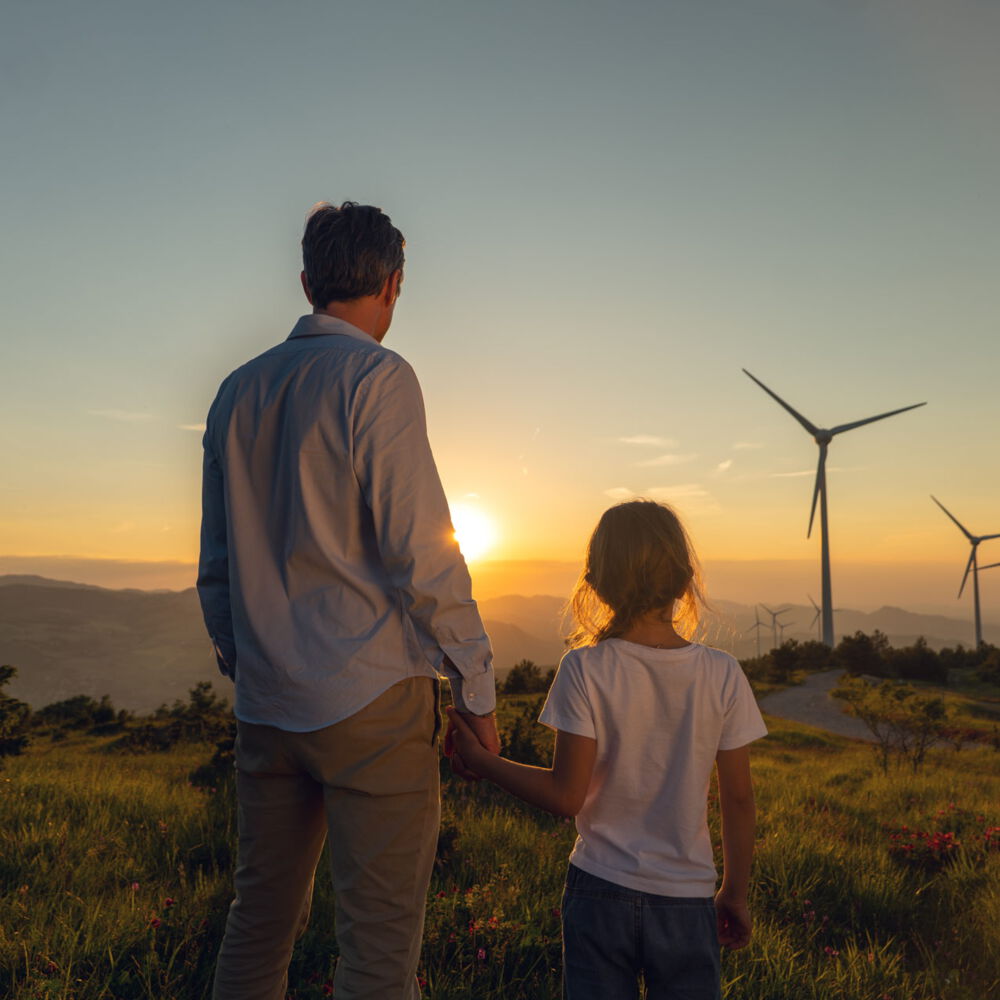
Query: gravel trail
<point>810,703</point>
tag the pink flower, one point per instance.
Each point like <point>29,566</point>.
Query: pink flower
<point>155,922</point>
<point>481,954</point>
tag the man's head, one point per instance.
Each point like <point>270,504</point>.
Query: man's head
<point>349,252</point>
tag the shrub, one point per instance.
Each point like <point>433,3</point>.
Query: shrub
<point>14,718</point>
<point>901,721</point>
<point>526,677</point>
<point>204,718</point>
<point>862,653</point>
<point>81,712</point>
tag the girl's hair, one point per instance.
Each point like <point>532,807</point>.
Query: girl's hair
<point>639,559</point>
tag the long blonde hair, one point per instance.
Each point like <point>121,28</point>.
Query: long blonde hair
<point>639,559</point>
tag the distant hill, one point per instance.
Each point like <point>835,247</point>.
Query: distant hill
<point>144,648</point>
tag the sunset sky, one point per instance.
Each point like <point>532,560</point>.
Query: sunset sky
<point>610,210</point>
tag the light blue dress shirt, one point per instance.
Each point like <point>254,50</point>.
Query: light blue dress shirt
<point>329,569</point>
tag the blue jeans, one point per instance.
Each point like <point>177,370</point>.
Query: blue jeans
<point>612,934</point>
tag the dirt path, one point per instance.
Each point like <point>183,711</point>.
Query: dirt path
<point>810,702</point>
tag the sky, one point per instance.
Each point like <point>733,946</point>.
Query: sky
<point>610,210</point>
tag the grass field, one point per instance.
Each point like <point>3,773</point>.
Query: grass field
<point>116,873</point>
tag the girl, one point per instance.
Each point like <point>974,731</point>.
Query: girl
<point>641,715</point>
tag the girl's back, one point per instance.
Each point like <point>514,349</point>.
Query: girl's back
<point>659,717</point>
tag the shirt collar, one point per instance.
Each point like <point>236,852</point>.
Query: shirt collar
<point>321,325</point>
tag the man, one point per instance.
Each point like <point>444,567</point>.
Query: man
<point>335,594</point>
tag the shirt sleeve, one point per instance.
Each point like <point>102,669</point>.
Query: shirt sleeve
<point>742,723</point>
<point>413,529</point>
<point>213,563</point>
<point>567,707</point>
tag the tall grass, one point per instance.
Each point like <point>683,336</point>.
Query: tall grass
<point>116,872</point>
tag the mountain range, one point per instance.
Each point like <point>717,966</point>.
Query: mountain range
<point>145,648</point>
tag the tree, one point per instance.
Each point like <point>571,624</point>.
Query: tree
<point>901,721</point>
<point>862,653</point>
<point>525,677</point>
<point>14,718</point>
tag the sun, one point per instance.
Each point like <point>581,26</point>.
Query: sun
<point>475,531</point>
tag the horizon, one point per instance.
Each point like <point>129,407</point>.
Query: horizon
<point>869,585</point>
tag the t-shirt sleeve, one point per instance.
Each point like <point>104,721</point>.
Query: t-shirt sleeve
<point>567,707</point>
<point>742,722</point>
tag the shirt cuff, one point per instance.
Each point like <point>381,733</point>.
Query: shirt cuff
<point>475,695</point>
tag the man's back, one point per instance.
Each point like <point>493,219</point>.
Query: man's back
<point>329,491</point>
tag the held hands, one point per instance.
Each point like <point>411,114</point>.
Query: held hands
<point>470,739</point>
<point>732,917</point>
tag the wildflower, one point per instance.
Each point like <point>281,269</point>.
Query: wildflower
<point>328,989</point>
<point>831,952</point>
<point>481,954</point>
<point>155,922</point>
<point>168,902</point>
<point>556,912</point>
<point>135,886</point>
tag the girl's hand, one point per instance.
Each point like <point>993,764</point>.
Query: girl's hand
<point>463,741</point>
<point>732,917</point>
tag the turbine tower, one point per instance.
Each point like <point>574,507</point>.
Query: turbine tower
<point>823,437</point>
<point>781,635</point>
<point>972,564</point>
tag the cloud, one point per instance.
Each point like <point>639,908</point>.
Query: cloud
<point>620,493</point>
<point>123,416</point>
<point>648,441</point>
<point>723,466</point>
<point>681,490</point>
<point>692,496</point>
<point>665,460</point>
<point>200,428</point>
<point>812,472</point>
<point>124,528</point>
<point>747,445</point>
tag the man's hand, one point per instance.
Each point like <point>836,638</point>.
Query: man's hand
<point>483,727</point>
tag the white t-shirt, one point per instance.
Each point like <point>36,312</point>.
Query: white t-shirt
<point>659,717</point>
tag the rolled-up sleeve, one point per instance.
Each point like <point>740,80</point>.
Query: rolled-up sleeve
<point>399,480</point>
<point>213,564</point>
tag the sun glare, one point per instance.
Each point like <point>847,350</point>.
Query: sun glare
<point>475,531</point>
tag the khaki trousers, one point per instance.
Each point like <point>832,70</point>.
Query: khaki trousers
<point>370,782</point>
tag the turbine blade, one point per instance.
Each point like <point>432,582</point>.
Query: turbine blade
<point>986,538</point>
<point>813,603</point>
<point>990,566</point>
<point>795,413</point>
<point>968,566</point>
<point>820,477</point>
<point>961,527</point>
<point>870,420</point>
<point>815,618</point>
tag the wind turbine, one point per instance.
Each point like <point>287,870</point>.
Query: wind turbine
<point>774,622</point>
<point>782,626</point>
<point>756,627</point>
<point>974,541</point>
<point>816,617</point>
<point>823,437</point>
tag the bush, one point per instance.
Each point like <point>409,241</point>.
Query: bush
<point>204,718</point>
<point>863,654</point>
<point>81,712</point>
<point>526,677</point>
<point>901,721</point>
<point>15,717</point>
<point>916,663</point>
